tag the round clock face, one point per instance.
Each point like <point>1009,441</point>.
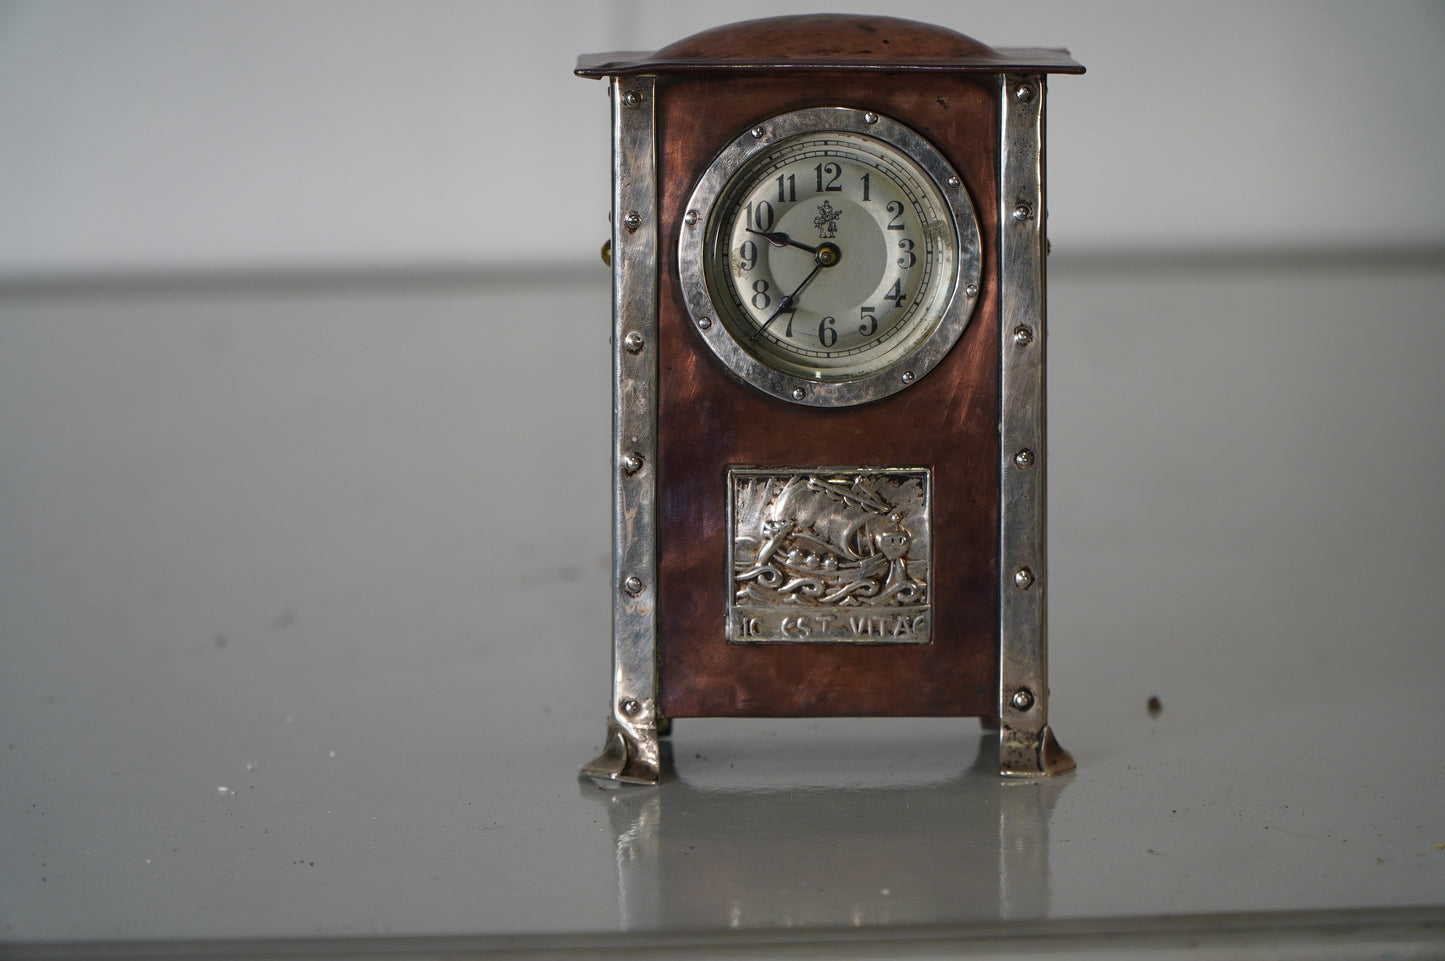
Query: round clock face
<point>830,256</point>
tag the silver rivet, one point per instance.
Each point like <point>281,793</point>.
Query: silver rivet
<point>1024,458</point>
<point>955,183</point>
<point>907,377</point>
<point>1023,578</point>
<point>799,393</point>
<point>633,585</point>
<point>704,323</point>
<point>971,290</point>
<point>690,217</point>
<point>632,221</point>
<point>870,117</point>
<point>1023,699</point>
<point>1023,93</point>
<point>1022,212</point>
<point>757,133</point>
<point>633,342</point>
<point>1023,336</point>
<point>632,463</point>
<point>631,98</point>
<point>630,706</point>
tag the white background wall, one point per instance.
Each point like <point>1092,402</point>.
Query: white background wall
<point>171,135</point>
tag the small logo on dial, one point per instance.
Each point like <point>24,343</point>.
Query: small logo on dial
<point>827,221</point>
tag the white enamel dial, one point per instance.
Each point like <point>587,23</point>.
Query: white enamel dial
<point>834,248</point>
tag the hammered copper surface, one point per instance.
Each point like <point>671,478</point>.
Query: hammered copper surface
<point>830,41</point>
<point>707,422</point>
<point>869,40</point>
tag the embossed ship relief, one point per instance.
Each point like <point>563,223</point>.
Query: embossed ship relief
<point>830,556</point>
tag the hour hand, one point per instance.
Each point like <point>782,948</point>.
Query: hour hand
<point>779,239</point>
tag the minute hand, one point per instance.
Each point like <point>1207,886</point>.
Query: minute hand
<point>786,304</point>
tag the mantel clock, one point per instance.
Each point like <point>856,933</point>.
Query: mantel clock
<point>828,301</point>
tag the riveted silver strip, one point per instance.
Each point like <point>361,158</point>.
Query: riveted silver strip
<point>631,753</point>
<point>1026,747</point>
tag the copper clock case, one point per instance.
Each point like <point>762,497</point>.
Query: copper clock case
<point>686,427</point>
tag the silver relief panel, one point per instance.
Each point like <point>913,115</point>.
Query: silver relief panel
<point>830,555</point>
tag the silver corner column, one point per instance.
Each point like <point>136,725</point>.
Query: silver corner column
<point>631,753</point>
<point>1026,745</point>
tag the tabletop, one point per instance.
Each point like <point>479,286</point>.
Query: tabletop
<point>304,634</point>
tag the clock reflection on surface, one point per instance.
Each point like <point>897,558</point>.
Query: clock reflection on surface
<point>732,837</point>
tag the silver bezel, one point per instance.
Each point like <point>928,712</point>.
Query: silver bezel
<point>705,310</point>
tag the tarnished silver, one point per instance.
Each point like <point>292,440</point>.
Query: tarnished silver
<point>830,555</point>
<point>693,264</point>
<point>1027,747</point>
<point>631,752</point>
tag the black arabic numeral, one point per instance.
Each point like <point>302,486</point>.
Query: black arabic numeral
<point>827,334</point>
<point>749,254</point>
<point>865,186</point>
<point>760,298</point>
<point>909,258</point>
<point>895,293</point>
<point>791,193</point>
<point>829,168</point>
<point>760,215</point>
<point>896,209</point>
<point>791,312</point>
<point>869,327</point>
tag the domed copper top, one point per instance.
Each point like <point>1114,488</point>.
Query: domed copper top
<point>836,41</point>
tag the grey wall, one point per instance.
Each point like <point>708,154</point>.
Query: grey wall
<point>163,135</point>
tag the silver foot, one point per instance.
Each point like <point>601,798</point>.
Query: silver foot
<point>630,755</point>
<point>1023,753</point>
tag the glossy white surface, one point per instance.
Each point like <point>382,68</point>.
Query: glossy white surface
<point>303,614</point>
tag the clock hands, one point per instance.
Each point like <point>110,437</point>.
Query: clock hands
<point>779,239</point>
<point>786,304</point>
<point>824,255</point>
